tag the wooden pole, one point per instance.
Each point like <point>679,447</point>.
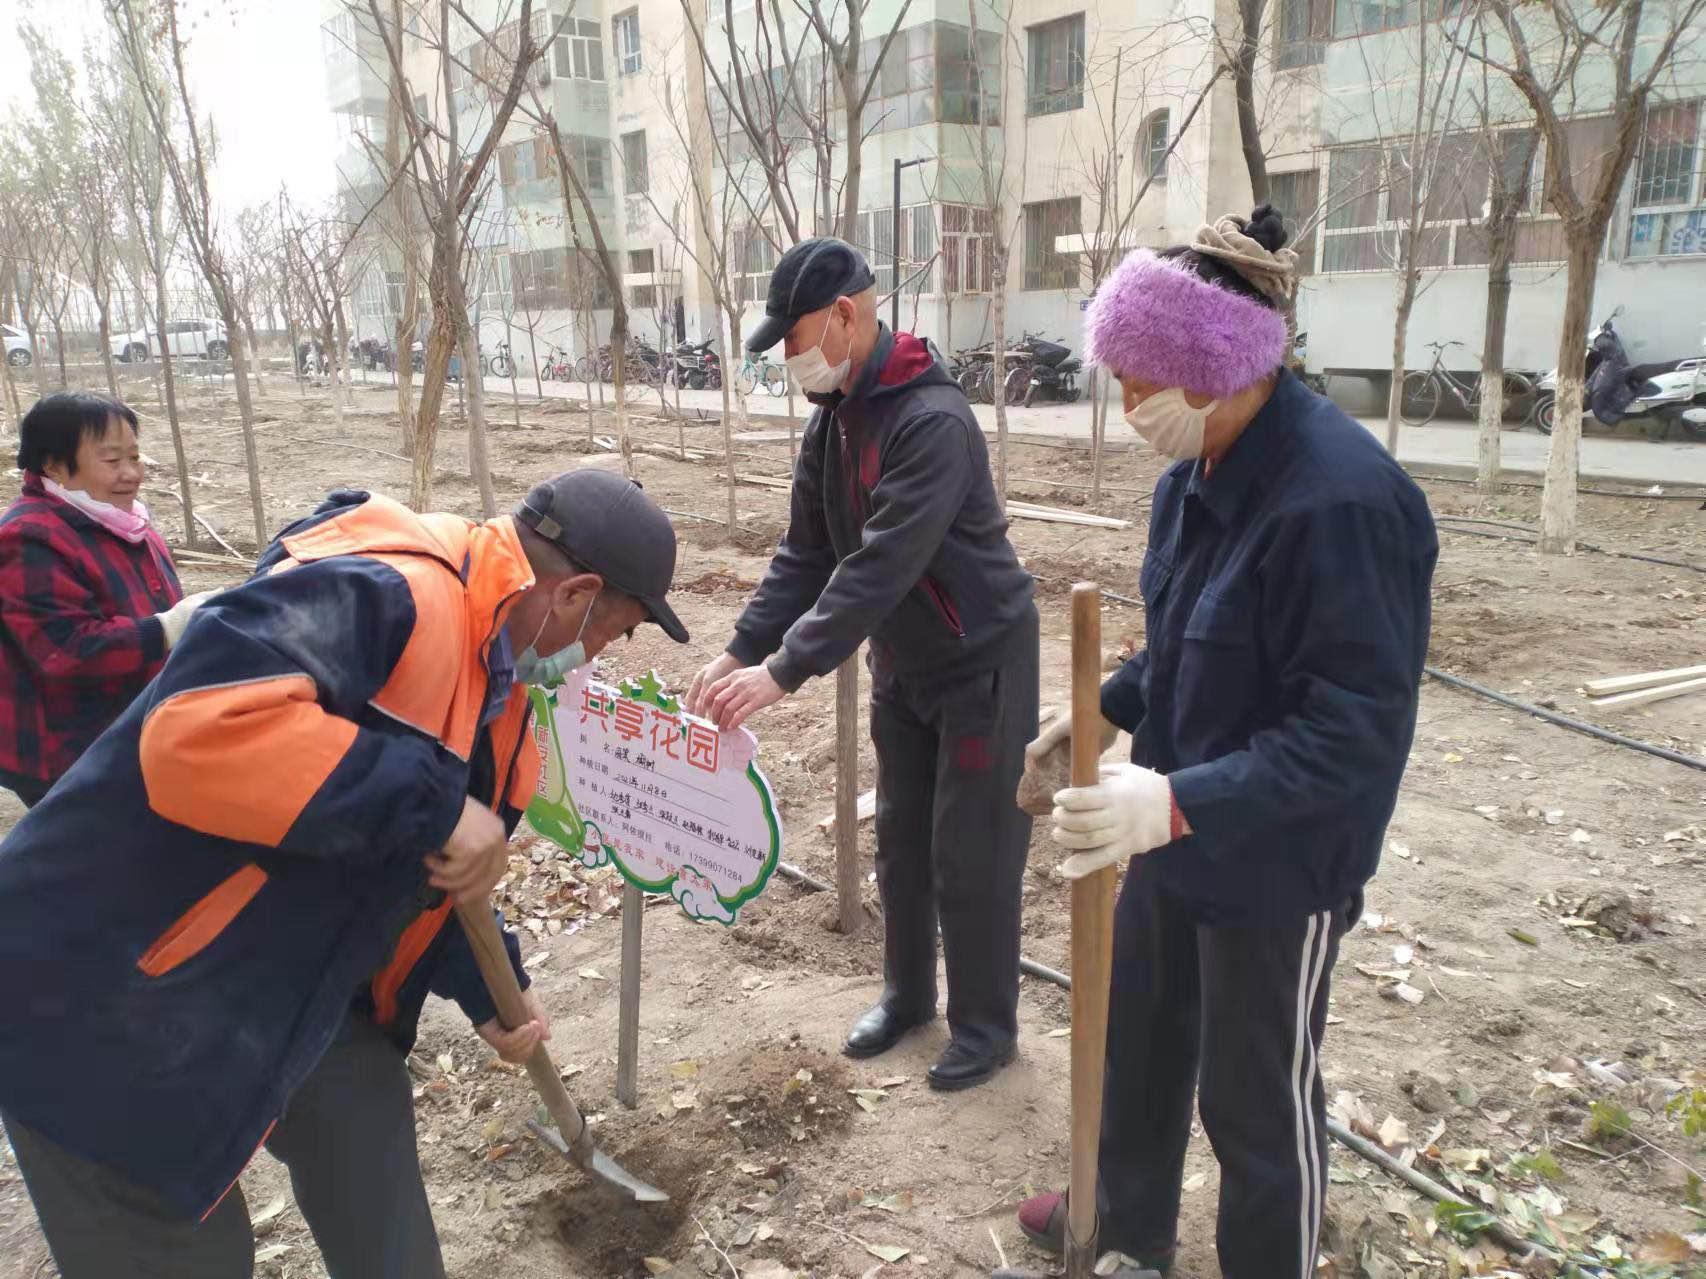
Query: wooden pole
<point>1092,943</point>
<point>628,1009</point>
<point>847,877</point>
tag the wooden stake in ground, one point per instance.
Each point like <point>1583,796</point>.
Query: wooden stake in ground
<point>1092,943</point>
<point>628,1006</point>
<point>847,877</point>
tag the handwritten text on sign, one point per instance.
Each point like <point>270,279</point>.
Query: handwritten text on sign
<point>628,778</point>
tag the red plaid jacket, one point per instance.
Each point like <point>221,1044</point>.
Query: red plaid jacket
<point>79,638</point>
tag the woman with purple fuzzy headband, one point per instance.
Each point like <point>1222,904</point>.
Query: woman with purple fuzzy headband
<point>1286,595</point>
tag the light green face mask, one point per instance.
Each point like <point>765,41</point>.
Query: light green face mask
<point>548,672</point>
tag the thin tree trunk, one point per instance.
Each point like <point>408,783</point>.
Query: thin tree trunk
<point>441,339</point>
<point>619,363</point>
<point>59,346</point>
<point>1558,498</point>
<point>1400,336</point>
<point>1244,87</point>
<point>1487,462</point>
<point>533,354</point>
<point>478,461</point>
<point>1000,375</point>
<point>169,380</point>
<point>728,430</point>
<point>328,339</point>
<point>103,312</point>
<point>246,418</point>
<point>254,352</point>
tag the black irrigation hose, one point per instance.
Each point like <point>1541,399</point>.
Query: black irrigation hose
<point>1564,721</point>
<point>1519,484</point>
<point>1586,546</point>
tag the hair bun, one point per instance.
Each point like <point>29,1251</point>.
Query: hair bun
<point>1267,228</point>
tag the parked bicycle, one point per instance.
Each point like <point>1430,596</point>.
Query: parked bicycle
<point>500,365</point>
<point>557,367</point>
<point>1424,388</point>
<point>760,372</point>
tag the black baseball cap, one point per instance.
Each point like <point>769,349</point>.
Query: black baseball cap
<point>605,523</point>
<point>810,276</point>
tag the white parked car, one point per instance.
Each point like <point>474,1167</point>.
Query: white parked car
<point>18,353</point>
<point>194,339</point>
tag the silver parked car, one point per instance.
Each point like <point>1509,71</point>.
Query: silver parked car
<point>18,352</point>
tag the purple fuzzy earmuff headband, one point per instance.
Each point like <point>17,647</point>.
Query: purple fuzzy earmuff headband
<point>1155,319</point>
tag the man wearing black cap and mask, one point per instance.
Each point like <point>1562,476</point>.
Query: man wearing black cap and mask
<point>895,536</point>
<point>219,929</point>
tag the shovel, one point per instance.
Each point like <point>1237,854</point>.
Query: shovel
<point>575,1141</point>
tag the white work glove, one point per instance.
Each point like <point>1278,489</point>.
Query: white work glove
<point>1127,813</point>
<point>174,619</point>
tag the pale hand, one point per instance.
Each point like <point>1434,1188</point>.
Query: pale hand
<point>475,856</point>
<point>517,1044</point>
<point>1128,813</point>
<point>739,694</point>
<point>714,670</point>
<point>174,619</point>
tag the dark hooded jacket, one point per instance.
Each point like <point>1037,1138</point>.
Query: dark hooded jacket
<point>894,534</point>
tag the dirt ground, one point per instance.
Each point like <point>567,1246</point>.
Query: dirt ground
<point>1543,896</point>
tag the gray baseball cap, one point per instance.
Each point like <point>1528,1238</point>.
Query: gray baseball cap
<point>606,523</point>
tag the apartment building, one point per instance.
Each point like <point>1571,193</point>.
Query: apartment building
<point>1347,76</point>
<point>1104,129</point>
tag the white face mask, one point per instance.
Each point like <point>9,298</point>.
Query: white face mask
<point>548,672</point>
<point>1169,425</point>
<point>814,373</point>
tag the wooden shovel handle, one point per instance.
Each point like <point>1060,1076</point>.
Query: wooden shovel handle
<point>1092,942</point>
<point>487,942</point>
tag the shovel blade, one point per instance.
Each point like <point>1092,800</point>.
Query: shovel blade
<point>601,1166</point>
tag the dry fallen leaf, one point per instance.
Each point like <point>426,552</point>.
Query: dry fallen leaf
<point>592,974</point>
<point>1195,1181</point>
<point>1667,1245</point>
<point>271,1252</point>
<point>1394,1132</point>
<point>1403,991</point>
<point>888,1252</point>
<point>658,1266</point>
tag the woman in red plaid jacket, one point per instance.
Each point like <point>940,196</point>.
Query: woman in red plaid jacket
<point>88,594</point>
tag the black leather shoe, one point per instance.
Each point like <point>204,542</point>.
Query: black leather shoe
<point>961,1067</point>
<point>880,1030</point>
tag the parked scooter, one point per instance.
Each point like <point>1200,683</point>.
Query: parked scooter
<point>1671,391</point>
<point>696,366</point>
<point>1049,371</point>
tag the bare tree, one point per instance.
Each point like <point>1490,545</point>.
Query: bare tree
<point>450,178</point>
<point>999,194</point>
<point>1417,181</point>
<point>153,222</point>
<point>148,37</point>
<point>1505,154</point>
<point>1546,52</point>
<point>1117,173</point>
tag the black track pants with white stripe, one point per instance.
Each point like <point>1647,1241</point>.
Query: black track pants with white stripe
<point>1237,1012</point>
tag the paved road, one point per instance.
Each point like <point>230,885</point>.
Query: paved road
<point>1447,446</point>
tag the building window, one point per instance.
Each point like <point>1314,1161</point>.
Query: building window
<point>580,51</point>
<point>752,259</point>
<point>1669,216</point>
<point>626,27</point>
<point>968,255</point>
<point>1045,222</point>
<point>1365,17</point>
<point>634,163</point>
<point>1055,66</point>
<point>1296,196</point>
<point>591,160</point>
<point>1370,198</point>
<point>1152,144</point>
<point>1301,32</point>
<point>968,81</point>
<point>643,262</point>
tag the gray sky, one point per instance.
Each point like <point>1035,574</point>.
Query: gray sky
<point>255,64</point>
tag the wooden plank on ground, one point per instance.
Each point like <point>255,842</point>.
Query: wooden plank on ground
<point>1641,697</point>
<point>867,810</point>
<point>1648,679</point>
